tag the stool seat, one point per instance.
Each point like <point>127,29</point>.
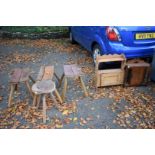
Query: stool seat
<point>43,87</point>
<point>72,71</point>
<point>18,76</point>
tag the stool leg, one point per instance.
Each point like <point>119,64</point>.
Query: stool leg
<point>16,87</point>
<point>83,86</point>
<point>38,101</point>
<point>34,99</point>
<point>64,89</point>
<point>58,96</point>
<point>30,77</point>
<point>57,77</point>
<point>29,88</point>
<point>11,93</point>
<point>44,108</point>
<point>60,81</point>
<point>54,100</point>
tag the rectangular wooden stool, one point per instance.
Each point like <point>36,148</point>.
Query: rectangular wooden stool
<point>72,71</point>
<point>18,76</point>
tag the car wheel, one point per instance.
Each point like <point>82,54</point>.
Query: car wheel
<point>96,52</point>
<point>71,38</point>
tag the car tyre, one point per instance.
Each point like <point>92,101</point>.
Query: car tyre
<point>96,52</point>
<point>71,38</point>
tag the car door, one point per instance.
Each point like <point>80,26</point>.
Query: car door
<point>81,34</point>
<point>86,36</point>
<point>93,34</point>
<point>76,33</point>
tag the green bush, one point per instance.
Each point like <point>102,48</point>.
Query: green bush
<point>34,29</point>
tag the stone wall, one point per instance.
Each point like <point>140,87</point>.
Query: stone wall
<point>47,35</point>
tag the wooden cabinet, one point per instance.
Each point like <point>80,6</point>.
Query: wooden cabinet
<point>110,70</point>
<point>137,72</point>
<point>153,68</point>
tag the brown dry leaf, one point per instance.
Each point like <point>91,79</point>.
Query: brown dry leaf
<point>1,98</point>
<point>67,120</point>
<point>70,61</point>
<point>56,123</point>
<point>18,113</point>
<point>68,108</point>
<point>59,126</point>
<point>87,70</point>
<point>83,121</point>
<point>75,119</point>
<point>127,115</point>
<point>42,126</point>
<point>65,112</point>
<point>89,118</point>
<point>87,59</point>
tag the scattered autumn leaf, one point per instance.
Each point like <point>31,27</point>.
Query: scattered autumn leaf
<point>1,98</point>
<point>65,112</point>
<point>75,119</point>
<point>67,120</point>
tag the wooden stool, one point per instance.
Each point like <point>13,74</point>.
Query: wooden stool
<point>18,76</point>
<point>43,88</point>
<point>72,71</point>
<point>46,73</point>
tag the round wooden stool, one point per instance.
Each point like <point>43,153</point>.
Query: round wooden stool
<point>43,88</point>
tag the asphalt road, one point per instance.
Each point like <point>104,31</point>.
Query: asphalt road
<point>94,111</point>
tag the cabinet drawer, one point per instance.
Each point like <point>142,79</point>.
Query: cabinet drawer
<point>111,79</point>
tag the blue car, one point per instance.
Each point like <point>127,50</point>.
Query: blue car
<point>133,41</point>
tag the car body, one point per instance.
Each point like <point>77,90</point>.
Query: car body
<point>133,41</point>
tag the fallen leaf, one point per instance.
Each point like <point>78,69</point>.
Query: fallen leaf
<point>1,98</point>
<point>59,125</point>
<point>127,115</point>
<point>75,119</point>
<point>65,112</point>
<point>67,120</point>
<point>83,121</point>
<point>89,118</point>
